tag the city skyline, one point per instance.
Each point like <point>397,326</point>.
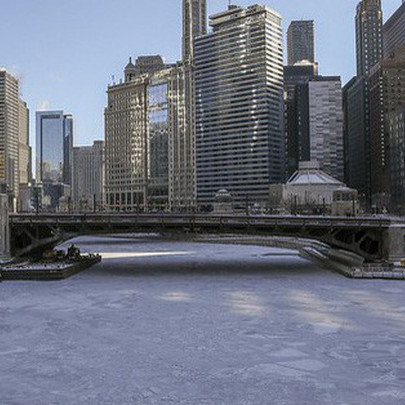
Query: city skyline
<point>52,82</point>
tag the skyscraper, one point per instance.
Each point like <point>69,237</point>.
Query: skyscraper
<point>24,149</point>
<point>194,25</point>
<point>239,108</point>
<point>356,138</point>
<point>147,155</point>
<point>386,94</point>
<point>369,40</point>
<point>54,146</point>
<point>326,124</point>
<point>320,123</point>
<point>9,131</point>
<point>88,176</point>
<point>297,74</point>
<point>396,130</point>
<point>369,51</point>
<point>394,31</point>
<point>125,145</point>
<point>300,42</point>
<point>182,168</point>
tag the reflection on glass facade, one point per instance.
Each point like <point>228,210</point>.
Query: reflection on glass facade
<point>148,140</point>
<point>158,164</point>
<point>54,133</point>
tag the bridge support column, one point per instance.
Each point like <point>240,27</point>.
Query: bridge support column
<point>4,228</point>
<point>393,243</point>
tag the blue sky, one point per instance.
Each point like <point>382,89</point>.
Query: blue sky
<point>65,51</point>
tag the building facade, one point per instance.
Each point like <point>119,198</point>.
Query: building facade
<point>54,155</point>
<point>182,154</point>
<point>148,151</point>
<point>386,94</point>
<point>239,112</point>
<point>394,31</point>
<point>298,74</point>
<point>356,137</point>
<point>300,42</point>
<point>311,191</point>
<point>88,177</point>
<point>326,124</point>
<point>24,149</point>
<point>194,25</point>
<point>369,38</point>
<point>396,131</point>
<point>319,124</point>
<point>369,51</point>
<point>9,132</point>
<point>125,145</point>
<point>4,223</point>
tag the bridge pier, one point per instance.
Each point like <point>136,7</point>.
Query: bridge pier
<point>393,243</point>
<point>4,228</point>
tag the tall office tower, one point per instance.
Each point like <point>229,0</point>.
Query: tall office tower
<point>369,39</point>
<point>182,169</point>
<point>394,31</point>
<point>369,50</point>
<point>24,149</point>
<point>88,177</point>
<point>9,131</point>
<point>125,145</point>
<point>326,124</point>
<point>300,42</point>
<point>320,123</point>
<point>144,142</point>
<point>396,131</point>
<point>386,93</point>
<point>239,118</point>
<point>356,139</point>
<point>194,25</point>
<point>54,147</point>
<point>294,75</point>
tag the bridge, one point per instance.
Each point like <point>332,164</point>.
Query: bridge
<point>376,240</point>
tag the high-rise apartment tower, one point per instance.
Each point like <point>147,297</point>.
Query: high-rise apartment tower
<point>239,112</point>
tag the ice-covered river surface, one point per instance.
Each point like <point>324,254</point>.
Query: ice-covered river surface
<point>161,322</point>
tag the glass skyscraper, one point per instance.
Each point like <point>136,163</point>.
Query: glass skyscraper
<point>239,112</point>
<point>54,141</point>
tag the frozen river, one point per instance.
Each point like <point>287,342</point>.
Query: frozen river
<point>173,323</point>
